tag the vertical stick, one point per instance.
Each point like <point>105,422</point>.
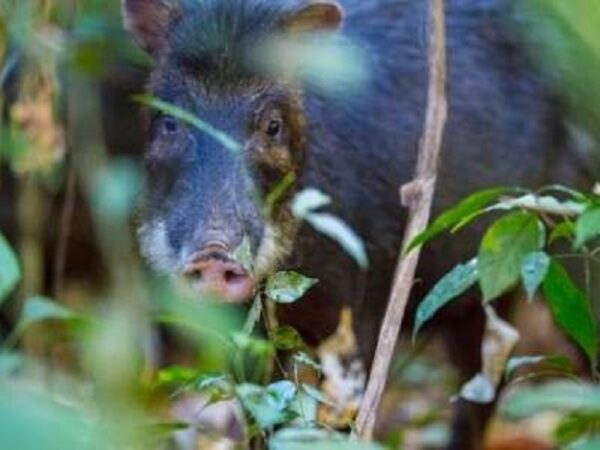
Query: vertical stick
<point>418,197</point>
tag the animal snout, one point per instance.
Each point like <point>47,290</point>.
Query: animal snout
<point>216,274</point>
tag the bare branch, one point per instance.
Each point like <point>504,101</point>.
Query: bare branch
<point>418,197</point>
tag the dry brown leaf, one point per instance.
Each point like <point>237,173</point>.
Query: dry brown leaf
<point>344,375</point>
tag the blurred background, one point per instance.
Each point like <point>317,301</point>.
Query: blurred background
<point>77,304</point>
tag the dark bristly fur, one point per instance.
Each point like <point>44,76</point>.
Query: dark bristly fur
<point>504,128</point>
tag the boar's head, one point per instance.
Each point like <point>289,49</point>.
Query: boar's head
<point>203,215</point>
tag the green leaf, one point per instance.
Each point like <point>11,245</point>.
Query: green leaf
<point>268,406</point>
<point>305,359</point>
<point>555,362</point>
<point>590,443</point>
<point>564,230</point>
<point>10,362</point>
<point>574,427</point>
<point>288,287</point>
<point>305,204</point>
<point>571,309</point>
<point>315,393</point>
<point>253,315</point>
<point>548,204</point>
<point>502,250</point>
<point>307,201</point>
<point>587,226</point>
<point>533,271</point>
<point>187,117</point>
<point>10,271</point>
<point>287,338</point>
<point>455,215</point>
<point>177,375</point>
<point>336,229</point>
<point>37,309</point>
<point>454,283</point>
<point>33,420</point>
<point>317,439</point>
<point>561,396</point>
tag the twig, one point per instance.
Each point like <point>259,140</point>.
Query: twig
<point>66,217</point>
<point>418,197</point>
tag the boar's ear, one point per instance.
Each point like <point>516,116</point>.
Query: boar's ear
<point>149,21</point>
<point>316,16</point>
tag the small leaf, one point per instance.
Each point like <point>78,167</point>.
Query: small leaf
<point>564,230</point>
<point>453,216</point>
<point>574,427</point>
<point>502,250</point>
<point>287,338</point>
<point>316,394</point>
<point>548,204</point>
<point>10,363</point>
<point>479,390</point>
<point>589,443</point>
<point>37,309</point>
<point>317,439</point>
<point>283,391</point>
<point>253,315</point>
<point>307,201</point>
<point>454,283</point>
<point>303,358</point>
<point>533,271</point>
<point>176,375</point>
<point>288,287</point>
<point>304,206</point>
<point>561,396</point>
<point>268,406</point>
<point>334,228</point>
<point>10,271</point>
<point>498,343</point>
<point>555,362</point>
<point>191,119</point>
<point>571,309</point>
<point>587,226</point>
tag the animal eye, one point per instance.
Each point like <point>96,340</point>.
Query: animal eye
<point>169,124</point>
<point>274,128</point>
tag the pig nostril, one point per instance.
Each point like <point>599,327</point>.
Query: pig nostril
<point>194,275</point>
<point>233,277</point>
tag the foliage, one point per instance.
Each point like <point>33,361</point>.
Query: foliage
<point>523,249</point>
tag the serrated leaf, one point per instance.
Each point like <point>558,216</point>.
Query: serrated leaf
<point>587,226</point>
<point>268,406</point>
<point>288,287</point>
<point>571,309</point>
<point>454,283</point>
<point>533,271</point>
<point>455,215</point>
<point>556,362</point>
<point>287,338</point>
<point>502,250</point>
<point>10,271</point>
